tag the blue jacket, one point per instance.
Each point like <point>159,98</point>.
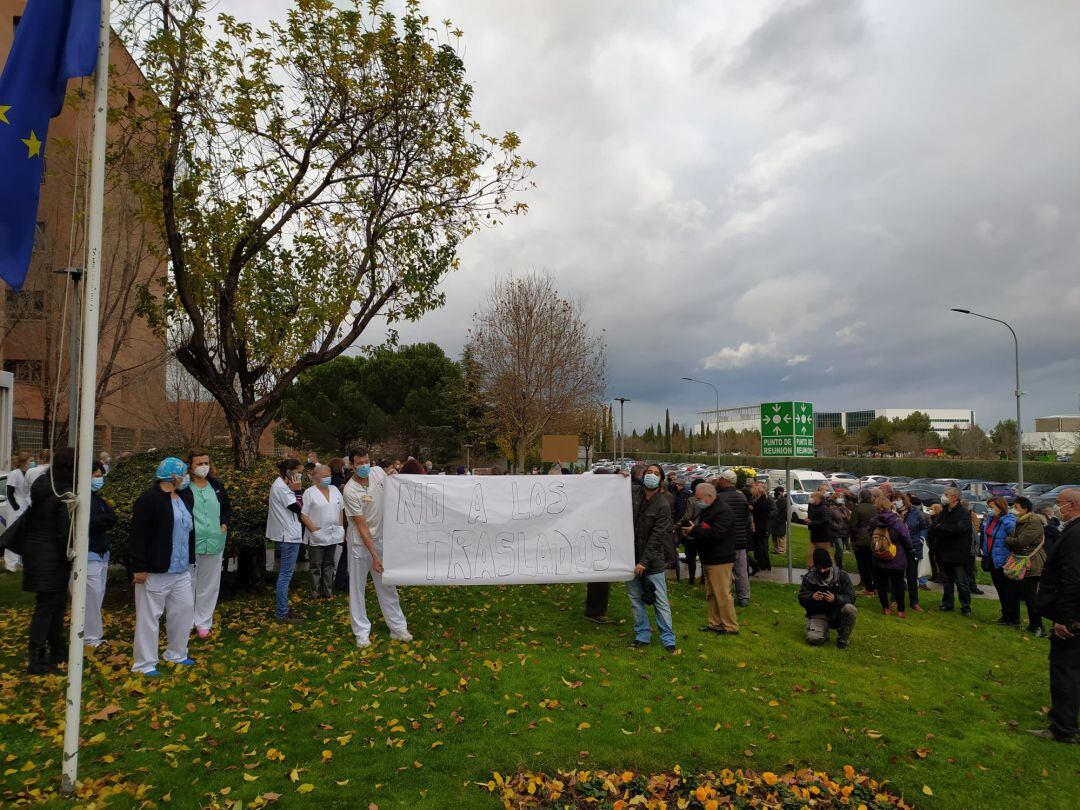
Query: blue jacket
<point>918,526</point>
<point>992,538</point>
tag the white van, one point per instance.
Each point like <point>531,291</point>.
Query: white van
<point>801,480</point>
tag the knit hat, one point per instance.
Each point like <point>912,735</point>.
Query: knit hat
<point>822,558</point>
<point>169,467</point>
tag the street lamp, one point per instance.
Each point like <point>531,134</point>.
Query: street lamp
<point>717,392</point>
<point>468,466</point>
<point>1018,392</point>
<point>622,426</point>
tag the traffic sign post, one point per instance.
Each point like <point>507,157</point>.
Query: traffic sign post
<point>787,429</point>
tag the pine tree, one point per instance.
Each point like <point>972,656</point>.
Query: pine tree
<point>667,430</point>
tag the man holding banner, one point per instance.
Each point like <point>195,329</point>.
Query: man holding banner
<point>364,497</point>
<point>652,525</point>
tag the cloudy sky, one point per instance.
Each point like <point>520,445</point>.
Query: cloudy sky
<point>786,198</point>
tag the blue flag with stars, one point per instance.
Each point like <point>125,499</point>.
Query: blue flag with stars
<point>56,40</point>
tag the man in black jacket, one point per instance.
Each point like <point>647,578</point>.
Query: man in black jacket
<point>712,531</point>
<point>1059,600</point>
<point>828,597</point>
<point>951,531</point>
<point>740,532</point>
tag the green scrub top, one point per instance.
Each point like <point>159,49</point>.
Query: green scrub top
<point>209,539</point>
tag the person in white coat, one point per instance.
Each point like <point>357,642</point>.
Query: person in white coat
<point>363,497</point>
<point>284,517</point>
<point>18,497</point>
<point>162,548</point>
<point>323,506</point>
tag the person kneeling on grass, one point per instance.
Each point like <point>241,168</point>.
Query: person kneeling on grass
<point>162,548</point>
<point>828,597</point>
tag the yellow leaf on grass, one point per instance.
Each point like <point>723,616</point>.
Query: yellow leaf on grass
<point>307,787</point>
<point>248,777</point>
<point>99,737</point>
<point>294,775</point>
<point>926,789</point>
<point>327,755</point>
<point>583,726</point>
<point>769,778</point>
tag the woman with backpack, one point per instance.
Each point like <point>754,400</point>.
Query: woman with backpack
<point>1027,547</point>
<point>918,527</point>
<point>890,546</point>
<point>998,524</point>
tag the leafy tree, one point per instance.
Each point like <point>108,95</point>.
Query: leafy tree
<point>313,176</point>
<point>1003,436</point>
<point>406,396</point>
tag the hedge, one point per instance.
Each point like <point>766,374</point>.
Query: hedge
<point>248,490</point>
<point>1035,472</point>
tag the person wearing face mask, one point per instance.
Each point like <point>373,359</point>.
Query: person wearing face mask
<point>652,525</point>
<point>828,597</point>
<point>998,524</point>
<point>1027,546</point>
<point>162,548</point>
<point>712,530</point>
<point>283,528</point>
<point>918,526</point>
<point>363,500</point>
<point>102,518</point>
<point>324,507</point>
<point>950,530</point>
<point>1059,601</point>
<point>889,563</point>
<point>212,515</point>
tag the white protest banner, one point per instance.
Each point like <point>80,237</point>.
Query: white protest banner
<point>505,530</point>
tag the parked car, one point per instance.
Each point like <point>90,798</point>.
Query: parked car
<point>799,503</point>
<point>899,480</point>
<point>848,480</point>
<point>927,493</point>
<point>1049,498</point>
<point>1036,490</point>
<point>873,480</point>
<point>918,482</point>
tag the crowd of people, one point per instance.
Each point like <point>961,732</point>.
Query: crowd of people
<point>180,525</point>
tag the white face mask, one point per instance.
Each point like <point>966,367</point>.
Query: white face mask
<point>944,500</point>
<point>201,471</point>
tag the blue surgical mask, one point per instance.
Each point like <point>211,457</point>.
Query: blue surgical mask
<point>31,464</point>
<point>701,504</point>
<point>363,471</point>
<point>326,481</point>
<point>97,483</point>
<point>652,480</point>
<point>184,481</point>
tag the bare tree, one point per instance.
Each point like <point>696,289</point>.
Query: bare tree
<point>194,420</point>
<point>538,360</point>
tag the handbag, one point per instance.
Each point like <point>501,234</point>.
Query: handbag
<point>14,535</point>
<point>1018,565</point>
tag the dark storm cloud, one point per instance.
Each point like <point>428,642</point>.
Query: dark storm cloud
<point>786,198</point>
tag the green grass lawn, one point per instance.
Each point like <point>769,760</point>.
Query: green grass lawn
<point>503,678</point>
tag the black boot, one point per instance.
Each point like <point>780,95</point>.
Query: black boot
<point>39,661</point>
<point>57,655</point>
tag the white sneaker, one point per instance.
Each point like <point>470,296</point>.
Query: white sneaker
<point>363,641</point>
<point>404,635</point>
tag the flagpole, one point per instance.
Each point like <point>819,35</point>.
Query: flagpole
<point>88,395</point>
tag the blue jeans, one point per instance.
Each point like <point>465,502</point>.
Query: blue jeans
<point>662,608</point>
<point>289,553</point>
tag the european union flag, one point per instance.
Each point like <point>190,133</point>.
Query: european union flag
<point>56,40</point>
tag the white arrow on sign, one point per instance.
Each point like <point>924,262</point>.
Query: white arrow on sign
<point>776,430</point>
<point>787,417</point>
<point>776,407</point>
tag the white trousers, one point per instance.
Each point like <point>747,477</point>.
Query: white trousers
<point>359,569</point>
<point>97,575</point>
<point>170,594</point>
<point>207,574</point>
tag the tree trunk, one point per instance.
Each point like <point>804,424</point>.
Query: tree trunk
<point>245,434</point>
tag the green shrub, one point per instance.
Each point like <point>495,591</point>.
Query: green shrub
<point>1035,472</point>
<point>248,491</point>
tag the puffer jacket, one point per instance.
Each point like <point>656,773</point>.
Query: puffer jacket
<point>740,510</point>
<point>652,527</point>
<point>951,531</point>
<point>918,527</point>
<point>992,538</point>
<point>1026,538</point>
<point>45,541</point>
<point>900,537</point>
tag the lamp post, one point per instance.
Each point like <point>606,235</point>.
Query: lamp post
<point>717,392</point>
<point>1018,392</point>
<point>622,426</point>
<point>468,465</point>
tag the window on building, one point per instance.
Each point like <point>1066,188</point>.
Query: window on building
<point>41,238</point>
<point>27,305</point>
<point>123,439</point>
<point>27,435</point>
<point>99,438</point>
<point>24,370</point>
